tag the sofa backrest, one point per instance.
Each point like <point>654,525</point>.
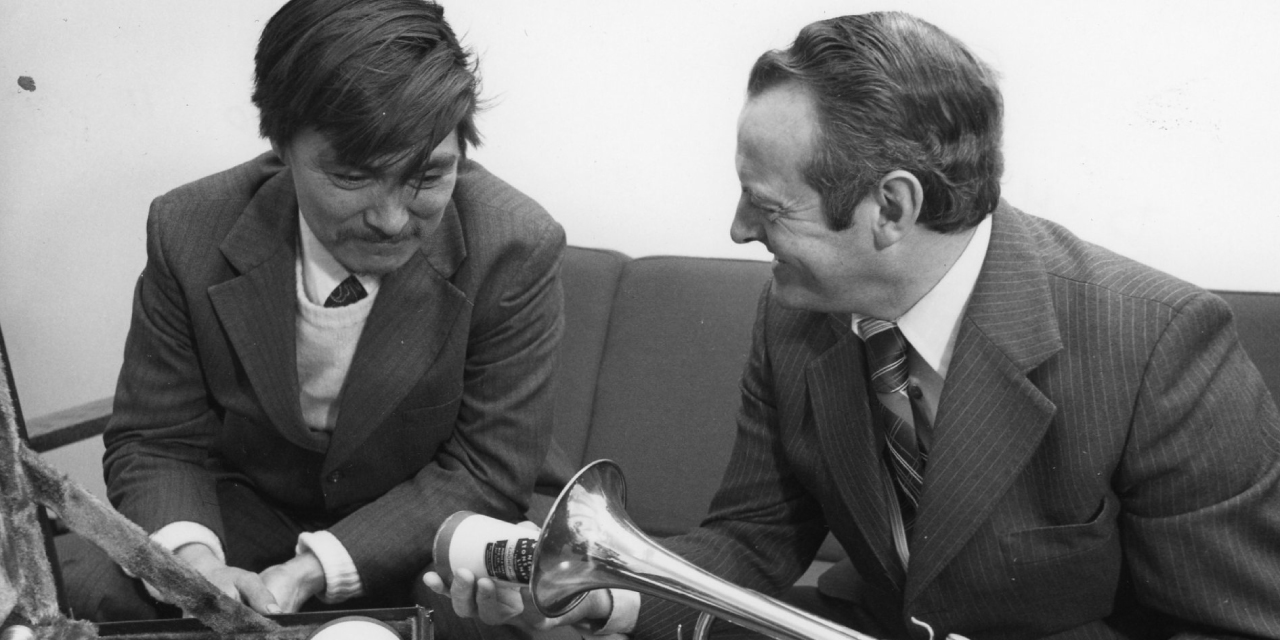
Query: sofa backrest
<point>649,370</point>
<point>1258,323</point>
<point>662,347</point>
<point>590,279</point>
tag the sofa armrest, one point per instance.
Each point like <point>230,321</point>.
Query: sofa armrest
<point>68,426</point>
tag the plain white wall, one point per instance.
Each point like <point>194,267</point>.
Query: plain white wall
<point>1143,125</point>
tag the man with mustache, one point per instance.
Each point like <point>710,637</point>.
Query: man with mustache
<point>1013,433</point>
<point>341,342</point>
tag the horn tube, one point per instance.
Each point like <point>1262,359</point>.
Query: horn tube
<point>588,542</point>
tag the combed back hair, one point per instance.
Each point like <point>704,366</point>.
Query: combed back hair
<point>894,92</point>
<point>385,81</point>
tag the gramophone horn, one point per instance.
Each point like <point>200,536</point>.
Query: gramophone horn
<point>588,542</point>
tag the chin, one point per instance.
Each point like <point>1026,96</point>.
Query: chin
<point>791,296</point>
<point>377,265</point>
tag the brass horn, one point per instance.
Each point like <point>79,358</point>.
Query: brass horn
<point>588,542</point>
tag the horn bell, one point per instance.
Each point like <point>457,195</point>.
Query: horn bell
<point>588,542</point>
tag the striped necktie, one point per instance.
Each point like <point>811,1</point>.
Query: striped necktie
<point>347,292</point>
<point>887,360</point>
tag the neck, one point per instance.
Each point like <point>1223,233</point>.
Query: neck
<point>924,258</point>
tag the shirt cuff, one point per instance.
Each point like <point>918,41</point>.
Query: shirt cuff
<point>176,535</point>
<point>341,580</point>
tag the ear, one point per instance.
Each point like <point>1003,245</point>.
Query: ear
<point>899,197</point>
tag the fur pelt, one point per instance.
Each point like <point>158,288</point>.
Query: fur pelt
<point>27,591</point>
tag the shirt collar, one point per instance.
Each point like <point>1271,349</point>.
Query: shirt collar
<point>321,272</point>
<point>932,324</point>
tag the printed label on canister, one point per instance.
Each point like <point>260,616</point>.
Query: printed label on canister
<point>510,562</point>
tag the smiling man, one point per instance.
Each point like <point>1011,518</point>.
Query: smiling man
<point>341,342</point>
<point>1012,433</point>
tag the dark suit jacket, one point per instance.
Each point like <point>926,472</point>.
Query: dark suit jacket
<point>447,404</point>
<point>1105,460</point>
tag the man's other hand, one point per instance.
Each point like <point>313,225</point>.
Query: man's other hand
<point>492,603</point>
<point>238,584</point>
<point>484,599</point>
<point>295,581</point>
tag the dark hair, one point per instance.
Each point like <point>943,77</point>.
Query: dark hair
<point>895,92</point>
<point>385,81</point>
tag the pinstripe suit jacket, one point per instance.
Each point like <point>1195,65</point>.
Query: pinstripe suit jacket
<point>447,403</point>
<point>1105,461</point>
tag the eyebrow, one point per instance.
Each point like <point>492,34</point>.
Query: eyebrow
<point>761,199</point>
<point>443,161</point>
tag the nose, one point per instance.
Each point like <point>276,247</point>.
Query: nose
<point>389,212</point>
<point>746,224</point>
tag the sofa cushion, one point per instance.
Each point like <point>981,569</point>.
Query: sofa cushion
<point>667,392</point>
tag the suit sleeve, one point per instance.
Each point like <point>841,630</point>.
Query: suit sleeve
<point>161,423</point>
<point>763,528</point>
<point>1201,482</point>
<point>503,430</point>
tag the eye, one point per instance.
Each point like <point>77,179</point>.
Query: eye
<point>424,182</point>
<point>349,180</point>
<point>770,211</point>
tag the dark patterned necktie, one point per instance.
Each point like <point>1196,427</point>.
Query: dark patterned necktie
<point>347,292</point>
<point>887,357</point>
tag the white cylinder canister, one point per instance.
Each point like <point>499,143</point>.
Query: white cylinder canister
<point>485,546</point>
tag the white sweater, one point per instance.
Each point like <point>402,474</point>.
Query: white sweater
<point>327,339</point>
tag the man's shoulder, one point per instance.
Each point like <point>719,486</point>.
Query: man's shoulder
<point>203,211</point>
<point>190,223</point>
<point>236,184</point>
<point>1085,268</point>
<point>488,204</point>
<point>501,225</point>
<point>512,247</point>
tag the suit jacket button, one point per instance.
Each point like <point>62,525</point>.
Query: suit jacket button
<point>335,477</point>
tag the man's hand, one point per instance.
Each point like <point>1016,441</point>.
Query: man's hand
<point>295,581</point>
<point>483,599</point>
<point>493,604</point>
<point>238,584</point>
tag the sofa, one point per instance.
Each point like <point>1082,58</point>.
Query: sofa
<point>648,376</point>
<point>653,351</point>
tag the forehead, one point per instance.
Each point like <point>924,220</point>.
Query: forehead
<point>776,130</point>
<point>317,146</point>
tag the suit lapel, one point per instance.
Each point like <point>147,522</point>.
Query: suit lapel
<point>836,381</point>
<point>258,308</point>
<point>410,321</point>
<point>990,418</point>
